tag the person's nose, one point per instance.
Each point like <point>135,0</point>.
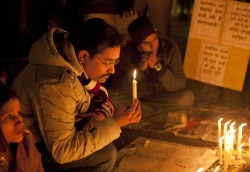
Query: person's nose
<point>111,69</point>
<point>152,44</point>
<point>19,121</point>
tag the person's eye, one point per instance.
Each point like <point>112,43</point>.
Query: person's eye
<point>9,116</point>
<point>116,62</point>
<point>107,63</point>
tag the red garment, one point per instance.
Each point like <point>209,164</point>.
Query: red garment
<point>28,159</point>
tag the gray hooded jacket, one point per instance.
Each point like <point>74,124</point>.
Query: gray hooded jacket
<point>52,96</point>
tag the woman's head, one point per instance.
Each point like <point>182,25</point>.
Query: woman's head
<point>11,123</point>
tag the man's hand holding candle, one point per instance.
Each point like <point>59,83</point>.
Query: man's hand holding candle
<point>128,115</point>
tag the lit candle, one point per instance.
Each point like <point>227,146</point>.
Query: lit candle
<point>225,126</point>
<point>217,169</point>
<point>231,144</point>
<point>240,134</point>
<point>226,135</point>
<point>220,150</point>
<point>134,86</point>
<point>219,128</point>
<point>232,127</point>
<point>231,138</point>
<point>249,144</point>
<point>226,158</point>
<point>239,150</point>
<point>200,169</point>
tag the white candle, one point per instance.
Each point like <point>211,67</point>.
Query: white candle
<point>232,127</point>
<point>239,151</point>
<point>239,139</point>
<point>225,126</point>
<point>232,131</point>
<point>249,144</point>
<point>230,156</point>
<point>217,169</point>
<point>200,169</point>
<point>134,86</point>
<point>240,134</point>
<point>226,158</point>
<point>219,128</point>
<point>220,150</point>
<point>231,138</point>
<point>231,145</point>
<point>226,135</point>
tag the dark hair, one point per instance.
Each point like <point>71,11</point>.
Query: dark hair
<point>126,7</point>
<point>139,29</point>
<point>6,93</point>
<point>96,35</point>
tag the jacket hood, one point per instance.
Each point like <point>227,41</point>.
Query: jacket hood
<point>44,52</point>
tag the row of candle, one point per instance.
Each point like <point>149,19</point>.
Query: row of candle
<point>229,139</point>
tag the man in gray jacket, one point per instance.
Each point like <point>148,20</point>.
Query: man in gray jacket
<point>63,102</point>
<point>161,79</point>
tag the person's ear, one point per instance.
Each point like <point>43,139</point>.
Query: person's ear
<point>83,55</point>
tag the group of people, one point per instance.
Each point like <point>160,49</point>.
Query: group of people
<point>60,95</point>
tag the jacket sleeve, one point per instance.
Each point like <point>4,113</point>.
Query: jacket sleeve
<point>56,107</point>
<point>172,76</point>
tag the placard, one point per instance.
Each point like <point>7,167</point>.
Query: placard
<point>218,46</point>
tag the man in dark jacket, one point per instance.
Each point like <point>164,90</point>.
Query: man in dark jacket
<point>161,78</point>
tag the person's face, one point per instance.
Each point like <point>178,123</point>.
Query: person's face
<point>11,122</point>
<point>149,44</point>
<point>100,66</point>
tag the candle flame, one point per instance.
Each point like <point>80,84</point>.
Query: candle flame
<point>217,168</point>
<point>200,169</point>
<point>241,145</point>
<point>242,125</point>
<point>220,120</point>
<point>227,122</point>
<point>232,124</point>
<point>134,73</point>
